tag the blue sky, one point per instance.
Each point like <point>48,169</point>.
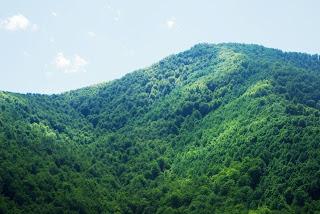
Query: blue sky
<point>54,46</point>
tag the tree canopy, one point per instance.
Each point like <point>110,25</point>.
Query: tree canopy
<point>226,128</point>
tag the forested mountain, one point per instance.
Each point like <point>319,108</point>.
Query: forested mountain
<point>226,128</point>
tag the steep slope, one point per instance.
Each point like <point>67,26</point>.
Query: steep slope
<point>225,128</point>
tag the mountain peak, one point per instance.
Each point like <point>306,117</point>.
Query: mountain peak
<point>217,128</point>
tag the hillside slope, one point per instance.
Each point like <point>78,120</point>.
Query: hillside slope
<point>226,128</point>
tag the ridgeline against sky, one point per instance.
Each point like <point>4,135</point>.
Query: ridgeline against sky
<point>55,46</point>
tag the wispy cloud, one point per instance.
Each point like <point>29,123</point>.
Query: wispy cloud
<point>117,15</point>
<point>61,61</point>
<point>171,23</point>
<point>54,14</point>
<point>79,62</point>
<point>92,34</point>
<point>16,23</point>
<point>116,12</point>
<point>52,40</point>
<point>26,53</point>
<point>68,65</point>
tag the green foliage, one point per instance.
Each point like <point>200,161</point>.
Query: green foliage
<point>225,128</point>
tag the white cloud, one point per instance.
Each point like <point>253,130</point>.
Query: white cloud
<point>61,61</point>
<point>92,34</point>
<point>15,23</point>
<point>79,61</point>
<point>67,65</point>
<point>171,23</point>
<point>54,14</point>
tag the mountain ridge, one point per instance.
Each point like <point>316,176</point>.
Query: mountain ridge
<point>204,44</point>
<point>227,128</point>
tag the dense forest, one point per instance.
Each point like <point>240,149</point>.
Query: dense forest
<point>225,128</point>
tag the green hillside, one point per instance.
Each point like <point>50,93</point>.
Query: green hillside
<point>226,128</point>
